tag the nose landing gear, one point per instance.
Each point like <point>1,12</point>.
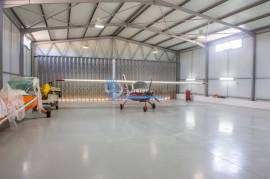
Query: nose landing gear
<point>145,108</point>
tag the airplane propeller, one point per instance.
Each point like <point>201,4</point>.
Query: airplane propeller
<point>150,93</point>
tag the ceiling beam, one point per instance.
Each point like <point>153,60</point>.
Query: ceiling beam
<point>222,17</point>
<point>206,17</point>
<point>69,15</point>
<point>240,23</point>
<point>14,3</point>
<point>104,37</point>
<point>17,18</point>
<point>45,21</point>
<point>90,19</point>
<point>125,25</point>
<point>52,15</point>
<point>160,18</point>
<point>132,17</point>
<point>20,21</point>
<point>111,17</point>
<point>187,19</point>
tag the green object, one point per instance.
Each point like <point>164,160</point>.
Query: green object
<point>21,83</point>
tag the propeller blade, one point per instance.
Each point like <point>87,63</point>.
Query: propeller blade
<point>150,85</point>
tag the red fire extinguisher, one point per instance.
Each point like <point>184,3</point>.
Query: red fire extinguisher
<point>188,95</point>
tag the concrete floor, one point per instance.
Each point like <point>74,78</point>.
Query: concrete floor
<point>177,141</point>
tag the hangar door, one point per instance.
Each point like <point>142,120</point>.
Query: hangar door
<point>51,68</point>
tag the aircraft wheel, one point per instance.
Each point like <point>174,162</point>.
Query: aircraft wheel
<point>145,108</point>
<point>153,106</point>
<point>121,106</point>
<point>48,113</point>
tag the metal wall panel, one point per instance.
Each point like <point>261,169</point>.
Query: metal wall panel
<point>50,68</point>
<point>192,65</point>
<point>27,61</point>
<point>263,63</point>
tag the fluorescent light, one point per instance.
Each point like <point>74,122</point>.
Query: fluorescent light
<point>155,51</point>
<point>226,78</point>
<point>99,24</point>
<point>129,81</point>
<point>190,79</point>
<point>85,47</point>
<point>202,37</point>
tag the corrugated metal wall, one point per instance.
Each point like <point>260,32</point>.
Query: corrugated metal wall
<point>50,68</point>
<point>11,50</point>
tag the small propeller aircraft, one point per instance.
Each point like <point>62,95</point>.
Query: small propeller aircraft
<point>140,92</point>
<point>132,90</point>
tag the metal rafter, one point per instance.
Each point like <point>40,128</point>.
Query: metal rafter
<point>69,15</point>
<point>212,6</point>
<point>45,21</point>
<point>20,21</point>
<point>222,17</point>
<point>149,3</point>
<point>90,19</point>
<point>132,17</point>
<point>112,16</point>
<point>160,18</point>
<point>51,16</point>
<point>240,23</point>
<point>206,17</point>
<point>105,37</point>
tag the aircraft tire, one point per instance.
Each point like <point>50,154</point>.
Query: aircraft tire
<point>145,108</point>
<point>153,106</point>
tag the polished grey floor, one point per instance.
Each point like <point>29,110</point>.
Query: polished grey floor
<point>177,141</point>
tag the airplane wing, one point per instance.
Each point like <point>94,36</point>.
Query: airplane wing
<point>132,81</point>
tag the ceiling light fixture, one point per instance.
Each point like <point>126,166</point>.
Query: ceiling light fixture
<point>155,51</point>
<point>190,79</point>
<point>226,79</point>
<point>99,24</point>
<point>201,35</point>
<point>85,46</point>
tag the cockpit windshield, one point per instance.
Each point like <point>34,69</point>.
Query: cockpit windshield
<point>140,85</point>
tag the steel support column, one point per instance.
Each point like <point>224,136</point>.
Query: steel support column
<point>178,71</point>
<point>1,46</point>
<point>207,70</point>
<point>21,58</point>
<point>254,66</point>
<point>33,63</point>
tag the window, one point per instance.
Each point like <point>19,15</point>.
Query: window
<point>27,42</point>
<point>229,45</point>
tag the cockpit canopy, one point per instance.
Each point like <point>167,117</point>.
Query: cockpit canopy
<point>140,85</point>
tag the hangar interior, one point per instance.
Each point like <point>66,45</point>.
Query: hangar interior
<point>218,50</point>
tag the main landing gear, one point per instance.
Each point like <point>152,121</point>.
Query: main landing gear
<point>153,105</point>
<point>145,108</point>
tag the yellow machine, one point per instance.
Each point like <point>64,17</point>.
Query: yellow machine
<point>45,90</point>
<point>50,94</point>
